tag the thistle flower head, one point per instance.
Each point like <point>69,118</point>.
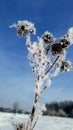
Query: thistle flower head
<point>64,41</point>
<point>57,49</point>
<point>24,28</point>
<point>65,66</point>
<point>47,37</point>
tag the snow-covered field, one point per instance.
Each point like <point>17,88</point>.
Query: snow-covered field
<point>44,123</point>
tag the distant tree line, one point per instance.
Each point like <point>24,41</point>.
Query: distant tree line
<point>62,109</point>
<point>11,110</point>
<point>14,109</point>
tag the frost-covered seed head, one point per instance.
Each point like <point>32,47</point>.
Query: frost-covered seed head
<point>57,49</point>
<point>65,66</point>
<point>47,37</point>
<point>64,42</point>
<point>22,31</point>
<point>24,28</point>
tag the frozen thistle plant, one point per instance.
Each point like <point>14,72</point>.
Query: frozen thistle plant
<point>47,59</point>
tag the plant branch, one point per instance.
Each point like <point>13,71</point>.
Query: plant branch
<point>52,65</point>
<point>32,115</point>
<point>44,89</point>
<point>35,123</point>
<point>48,71</point>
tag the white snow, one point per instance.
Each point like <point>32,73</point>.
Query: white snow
<point>44,123</point>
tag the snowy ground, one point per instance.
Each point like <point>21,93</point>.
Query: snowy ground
<point>45,122</point>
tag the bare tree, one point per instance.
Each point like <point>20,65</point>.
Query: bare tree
<point>47,58</point>
<point>15,107</point>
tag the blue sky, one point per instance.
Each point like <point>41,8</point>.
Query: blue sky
<point>16,78</point>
